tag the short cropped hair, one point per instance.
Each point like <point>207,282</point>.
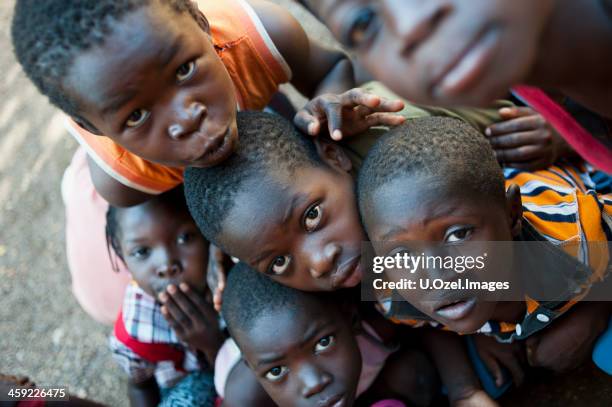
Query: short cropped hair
<point>435,147</point>
<point>249,294</point>
<point>268,144</point>
<point>48,35</point>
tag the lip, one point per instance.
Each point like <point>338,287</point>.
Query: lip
<point>456,310</point>
<point>348,274</point>
<point>216,151</point>
<point>333,401</point>
<point>468,68</point>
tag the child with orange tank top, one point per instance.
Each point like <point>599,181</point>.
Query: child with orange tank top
<point>152,87</point>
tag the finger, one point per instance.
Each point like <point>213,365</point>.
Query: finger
<point>200,303</point>
<point>516,125</point>
<point>384,119</point>
<point>333,114</point>
<point>217,301</point>
<point>530,165</point>
<point>388,106</point>
<point>175,316</point>
<point>357,96</point>
<point>307,121</point>
<point>180,307</point>
<point>494,368</point>
<point>513,140</point>
<point>222,280</point>
<point>519,154</point>
<point>507,113</point>
<point>178,328</point>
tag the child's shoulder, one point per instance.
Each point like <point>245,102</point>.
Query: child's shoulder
<point>563,202</point>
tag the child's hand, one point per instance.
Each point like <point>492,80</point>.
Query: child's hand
<point>192,318</point>
<point>348,114</point>
<point>525,140</point>
<point>497,355</point>
<point>568,342</point>
<point>478,398</point>
<point>217,274</point>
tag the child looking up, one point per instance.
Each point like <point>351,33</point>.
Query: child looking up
<point>436,180</point>
<point>153,86</point>
<point>167,354</point>
<point>284,204</point>
<point>311,349</point>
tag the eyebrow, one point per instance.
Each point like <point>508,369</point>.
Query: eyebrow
<point>434,213</point>
<point>393,231</point>
<point>168,53</point>
<point>262,256</point>
<point>296,201</point>
<point>118,101</point>
<point>311,332</point>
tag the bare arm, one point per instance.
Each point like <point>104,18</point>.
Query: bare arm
<point>316,69</point>
<point>112,190</point>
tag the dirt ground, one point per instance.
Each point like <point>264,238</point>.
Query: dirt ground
<point>44,333</point>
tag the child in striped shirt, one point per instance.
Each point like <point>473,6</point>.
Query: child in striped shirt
<point>436,180</point>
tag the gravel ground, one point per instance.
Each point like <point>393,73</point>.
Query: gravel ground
<point>43,332</point>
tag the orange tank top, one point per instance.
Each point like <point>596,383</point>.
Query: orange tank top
<point>255,66</point>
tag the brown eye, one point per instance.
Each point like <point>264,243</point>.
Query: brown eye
<point>184,238</point>
<point>276,373</point>
<point>312,217</point>
<point>325,343</point>
<point>137,118</point>
<point>458,234</point>
<point>185,71</point>
<point>279,265</point>
<point>363,27</point>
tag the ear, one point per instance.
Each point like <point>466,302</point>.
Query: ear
<point>514,209</point>
<point>333,155</point>
<point>84,124</point>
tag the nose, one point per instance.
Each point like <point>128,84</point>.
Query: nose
<point>169,269</point>
<point>314,380</point>
<point>324,259</point>
<point>413,27</point>
<point>186,119</point>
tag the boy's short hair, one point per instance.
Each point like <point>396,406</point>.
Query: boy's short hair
<point>440,147</point>
<point>48,35</point>
<point>267,144</point>
<point>249,294</point>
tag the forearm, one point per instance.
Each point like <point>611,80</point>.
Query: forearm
<point>454,367</point>
<point>144,394</point>
<point>114,192</point>
<point>339,79</point>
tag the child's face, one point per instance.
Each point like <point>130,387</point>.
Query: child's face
<point>461,52</point>
<point>305,357</point>
<point>158,88</point>
<point>303,232</point>
<point>162,246</point>
<point>418,209</point>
